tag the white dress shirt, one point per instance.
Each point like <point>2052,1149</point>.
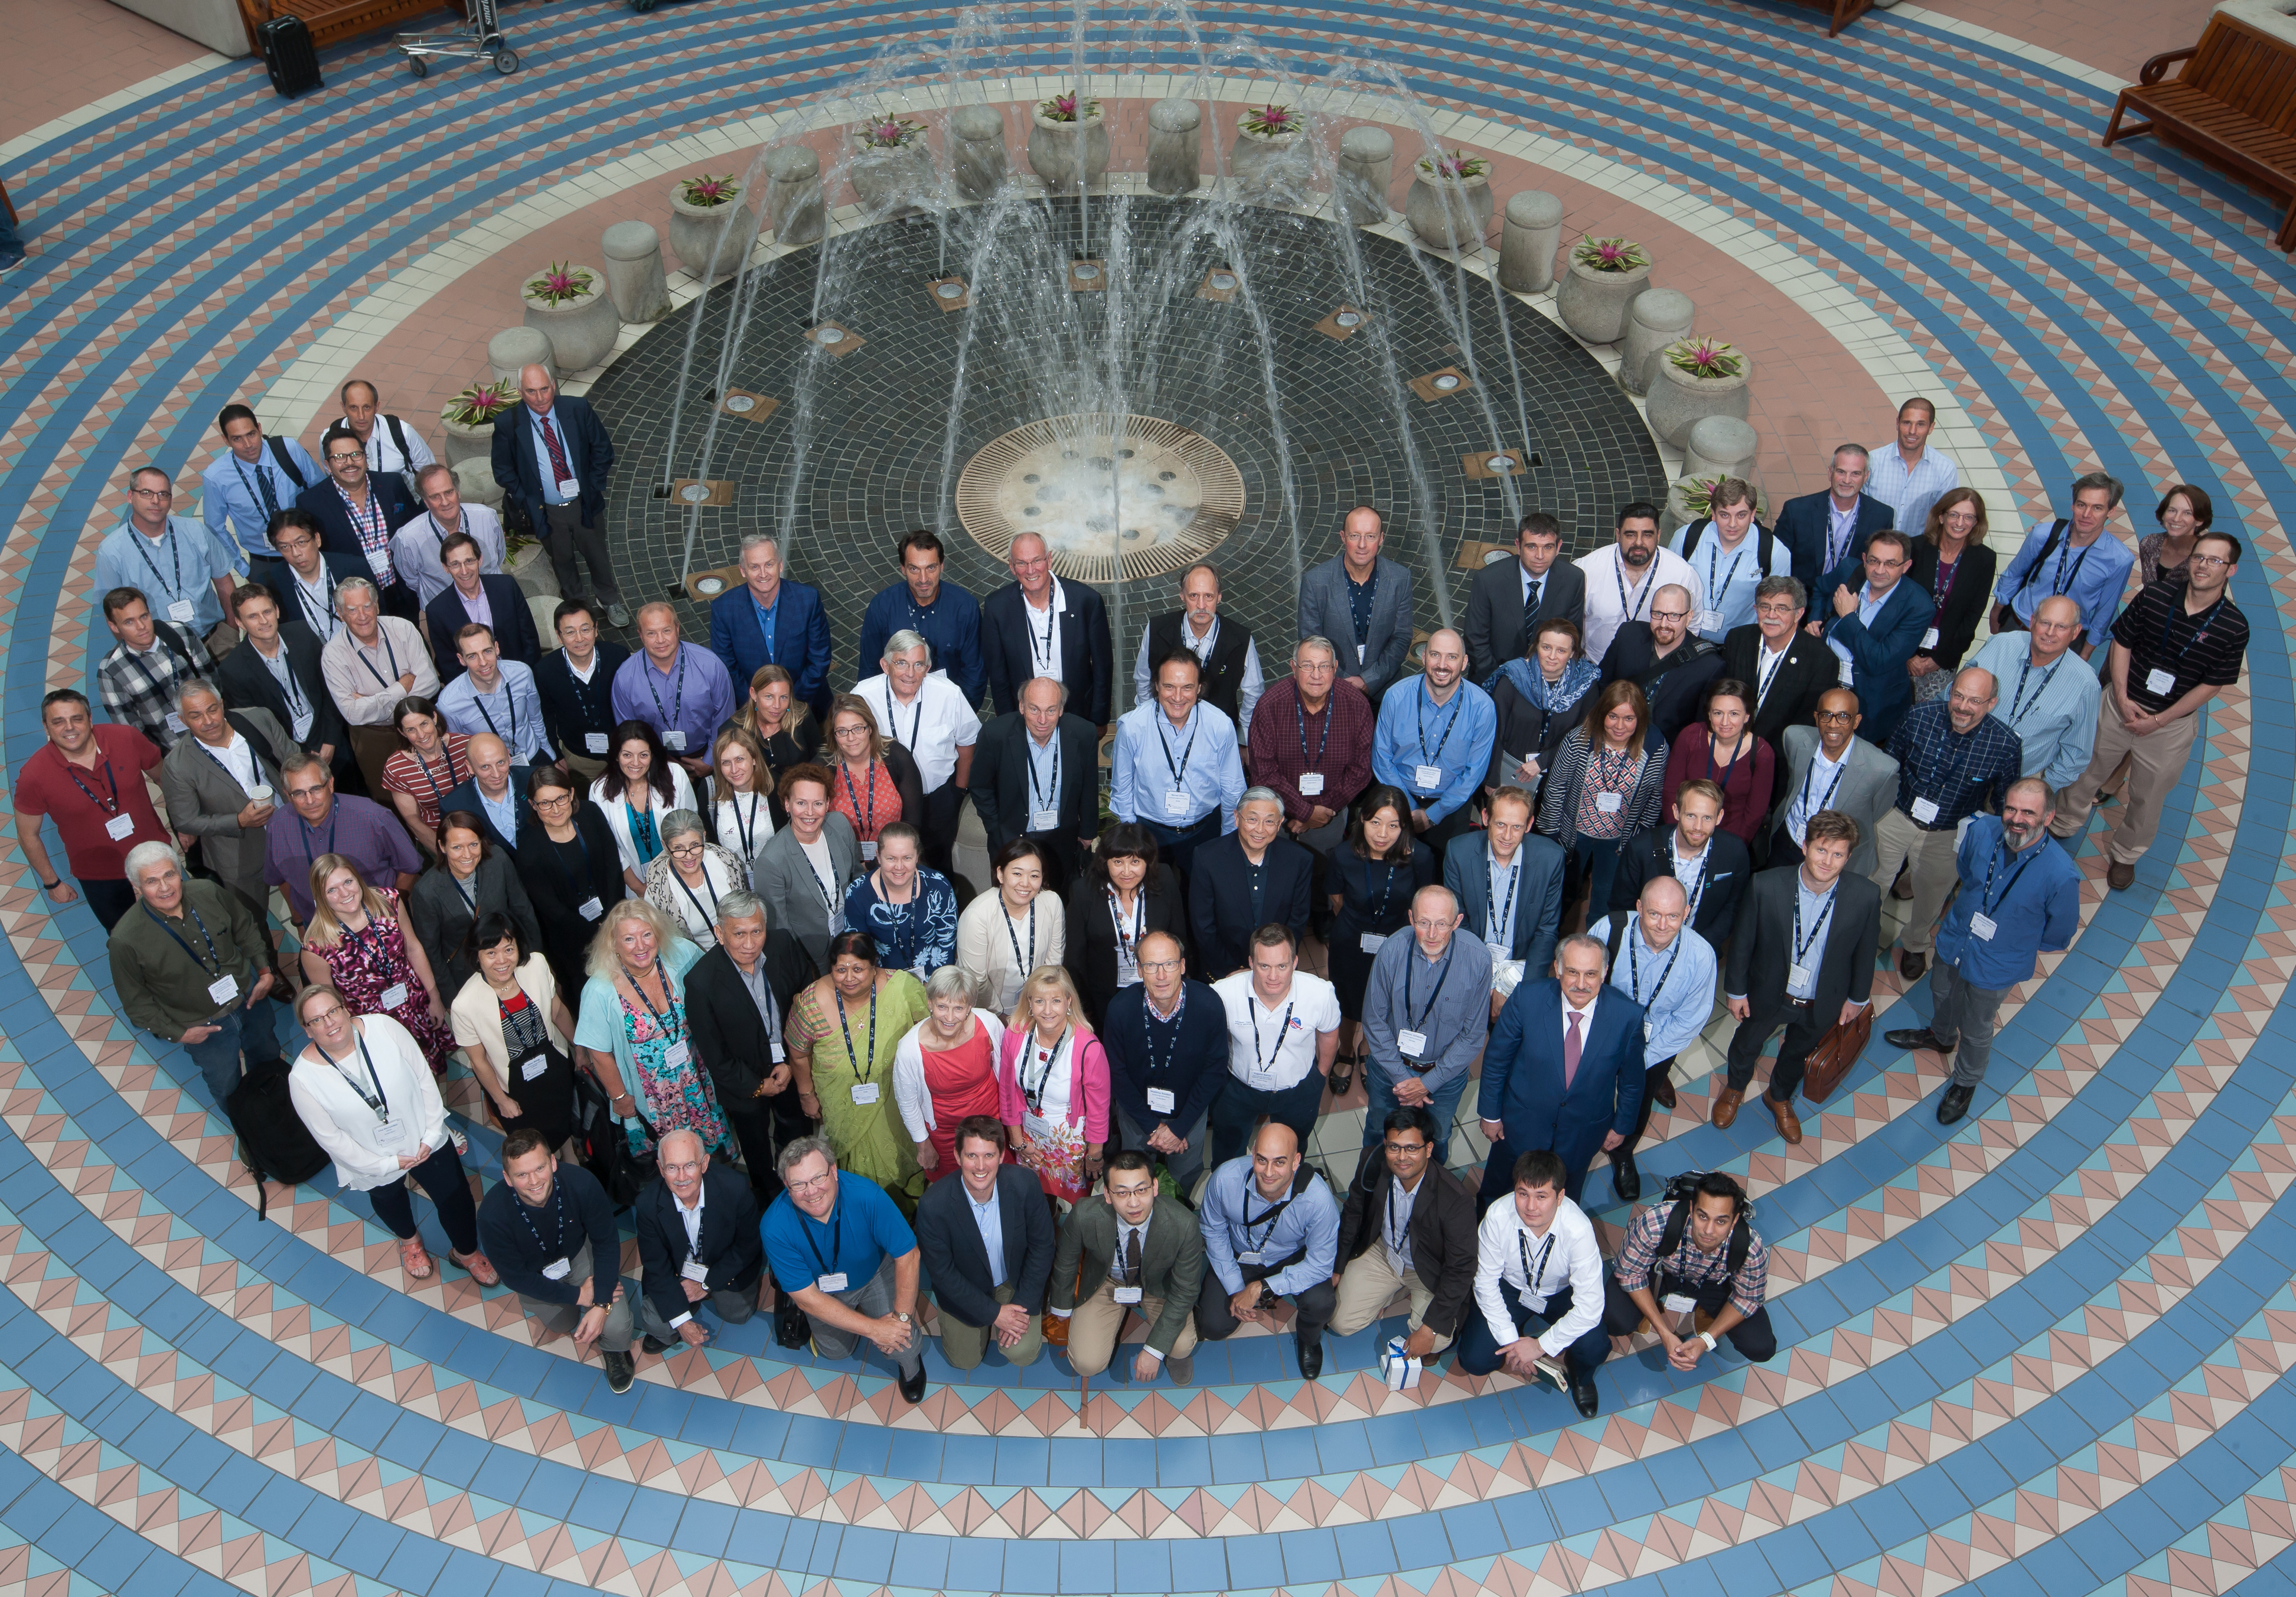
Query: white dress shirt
<point>933,727</point>
<point>1265,1049</point>
<point>1247,691</point>
<point>692,1218</point>
<point>1606,573</point>
<point>1502,1243</point>
<point>1821,779</point>
<point>1044,633</point>
<point>238,758</point>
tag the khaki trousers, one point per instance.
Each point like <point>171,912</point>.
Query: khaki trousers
<point>2156,763</point>
<point>964,1346</point>
<point>1099,1321</point>
<point>1368,1285</point>
<point>1931,855</point>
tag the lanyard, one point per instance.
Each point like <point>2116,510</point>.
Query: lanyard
<point>1419,1022</point>
<point>581,688</point>
<point>2061,581</point>
<point>645,837</point>
<point>478,702</point>
<point>254,760</point>
<point>1500,926</point>
<point>1362,597</point>
<point>905,937</point>
<point>1014,938</point>
<point>1618,572</point>
<point>175,559</point>
<point>2201,621</point>
<point>820,882</point>
<point>326,608</point>
<point>1180,771</point>
<point>1044,645</point>
<point>1300,715</point>
<point>1046,1060</point>
<point>107,801</point>
<point>1151,1020</point>
<point>1847,520</point>
<point>1459,703</point>
<point>663,1023</point>
<point>1802,947</point>
<point>373,529</point>
<point>1386,887</point>
<point>381,635</point>
<point>438,794</point>
<point>1041,801</point>
<point>916,722</point>
<point>710,915</point>
<point>1635,965</point>
<point>869,819</point>
<point>374,1101</point>
<point>282,670</point>
<point>468,889</point>
<point>1952,570</point>
<point>746,825</point>
<point>1533,1275</point>
<point>1705,858</point>
<point>1267,1220</point>
<point>1767,674</point>
<point>1714,590</point>
<point>678,697</point>
<point>259,491</point>
<point>1831,788</point>
<point>557,1248</point>
<point>462,524</point>
<point>1991,900</point>
<point>1723,780</point>
<point>1952,774</point>
<point>860,1069</point>
<point>2017,703</point>
<point>310,833</point>
<point>213,965</point>
<point>1281,1032</point>
<point>1399,1239</point>
<point>1127,943</point>
<point>836,1239</point>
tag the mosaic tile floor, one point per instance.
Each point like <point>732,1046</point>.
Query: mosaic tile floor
<point>2048,1351</point>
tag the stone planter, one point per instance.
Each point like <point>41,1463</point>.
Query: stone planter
<point>1678,401</point>
<point>581,330</point>
<point>1593,304</point>
<point>1067,153</point>
<point>1268,168</point>
<point>1449,213</point>
<point>466,442</point>
<point>694,231</point>
<point>887,181</point>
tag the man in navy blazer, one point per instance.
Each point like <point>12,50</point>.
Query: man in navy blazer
<point>981,1297</point>
<point>1875,619</point>
<point>1825,528</point>
<point>1015,618</point>
<point>331,503</point>
<point>1239,883</point>
<point>1530,1095</point>
<point>1370,658</point>
<point>719,1260</point>
<point>567,504</point>
<point>508,614</point>
<point>800,645</point>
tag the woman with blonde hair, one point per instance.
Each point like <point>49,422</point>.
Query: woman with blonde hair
<point>1051,1086</point>
<point>361,941</point>
<point>785,730</point>
<point>632,1030</point>
<point>945,1071</point>
<point>743,788</point>
<point>874,781</point>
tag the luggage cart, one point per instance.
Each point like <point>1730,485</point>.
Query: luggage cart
<point>483,41</point>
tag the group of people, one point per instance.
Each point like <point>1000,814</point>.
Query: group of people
<point>1669,771</point>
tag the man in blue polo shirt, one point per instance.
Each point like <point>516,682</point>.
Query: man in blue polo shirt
<point>844,1255</point>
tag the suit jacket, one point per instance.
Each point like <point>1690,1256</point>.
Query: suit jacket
<point>1522,1074</point>
<point>1324,613</point>
<point>340,566</point>
<point>1868,788</point>
<point>1087,656</point>
<point>792,892</point>
<point>1090,954</point>
<point>443,920</point>
<point>800,641</point>
<point>1675,693</point>
<point>1761,947</point>
<point>1878,653</point>
<point>1803,523</point>
<point>1171,1263</point>
<point>513,626</point>
<point>247,683</point>
<point>589,455</point>
<point>571,711</point>
<point>1442,1234</point>
<point>465,796</point>
<point>1000,779</point>
<point>1808,670</point>
<point>729,1034</point>
<point>732,1246</point>
<point>1538,894</point>
<point>205,799</point>
<point>1728,868</point>
<point>1496,628</point>
<point>1219,898</point>
<point>957,1261</point>
<point>338,535</point>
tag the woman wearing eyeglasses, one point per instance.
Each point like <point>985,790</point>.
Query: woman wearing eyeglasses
<point>572,875</point>
<point>690,876</point>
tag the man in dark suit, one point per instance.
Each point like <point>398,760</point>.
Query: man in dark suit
<point>1511,597</point>
<point>305,577</point>
<point>1787,668</point>
<point>1240,882</point>
<point>698,1243</point>
<point>1038,626</point>
<point>357,513</point>
<point>988,1241</point>
<point>551,455</point>
<point>1802,957</point>
<point>1524,870</point>
<point>1825,528</point>
<point>276,670</point>
<point>798,640</point>
<point>1873,619</point>
<point>1672,664</point>
<point>1036,773</point>
<point>1408,1224</point>
<point>575,684</point>
<point>502,602</point>
<point>1357,579</point>
<point>495,792</point>
<point>1129,1251</point>
<point>1563,1071</point>
<point>1712,865</point>
<point>737,1001</point>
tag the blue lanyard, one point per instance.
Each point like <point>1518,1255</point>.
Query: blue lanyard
<point>1459,703</point>
<point>860,1069</point>
<point>557,1250</point>
<point>678,697</point>
<point>1988,898</point>
<point>174,558</point>
<point>1180,771</point>
<point>213,963</point>
<point>1444,975</point>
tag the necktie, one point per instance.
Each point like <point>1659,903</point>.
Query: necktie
<point>263,487</point>
<point>1570,1046</point>
<point>1530,600</point>
<point>557,451</point>
<point>1132,1257</point>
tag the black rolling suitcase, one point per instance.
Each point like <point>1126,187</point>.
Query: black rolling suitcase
<point>286,43</point>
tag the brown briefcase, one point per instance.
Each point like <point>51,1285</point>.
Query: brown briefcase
<point>1835,1053</point>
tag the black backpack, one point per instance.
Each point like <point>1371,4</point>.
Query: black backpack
<point>287,461</point>
<point>1682,1191</point>
<point>2057,529</point>
<point>603,1147</point>
<point>274,1142</point>
<point>1763,548</point>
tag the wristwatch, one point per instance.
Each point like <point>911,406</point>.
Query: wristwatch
<point>903,1318</point>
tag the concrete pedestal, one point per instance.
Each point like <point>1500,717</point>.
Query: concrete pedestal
<point>515,349</point>
<point>1527,241</point>
<point>793,203</point>
<point>1657,319</point>
<point>977,163</point>
<point>1175,152</point>
<point>635,278</point>
<point>1366,168</point>
<point>1720,446</point>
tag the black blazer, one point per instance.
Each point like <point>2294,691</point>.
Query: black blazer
<point>557,898</point>
<point>466,797</point>
<point>1219,898</point>
<point>1000,779</point>
<point>570,711</point>
<point>248,684</point>
<point>1761,947</point>
<point>279,576</point>
<point>732,1246</point>
<point>1965,601</point>
<point>958,1264</point>
<point>1802,524</point>
<point>513,626</point>
<point>337,533</point>
<point>1496,632</point>
<point>1087,657</point>
<point>443,922</point>
<point>1728,870</point>
<point>1675,695</point>
<point>589,454</point>
<point>728,1031</point>
<point>1091,952</point>
<point>1442,1235</point>
<point>1809,669</point>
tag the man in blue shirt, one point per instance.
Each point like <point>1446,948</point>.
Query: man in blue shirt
<point>252,480</point>
<point>946,616</point>
<point>1177,769</point>
<point>843,1254</point>
<point>1661,964</point>
<point>1271,1229</point>
<point>1426,1016</point>
<point>1433,741</point>
<point>680,691</point>
<point>2019,899</point>
<point>1729,568</point>
<point>772,620</point>
<point>2049,701</point>
<point>179,568</point>
<point>496,695</point>
<point>2074,557</point>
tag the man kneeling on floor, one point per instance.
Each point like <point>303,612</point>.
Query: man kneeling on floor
<point>1697,1253</point>
<point>1408,1225</point>
<point>551,1233</point>
<point>1271,1230</point>
<point>842,1252</point>
<point>987,1239</point>
<point>698,1242</point>
<point>1537,1260</point>
<point>1141,1251</point>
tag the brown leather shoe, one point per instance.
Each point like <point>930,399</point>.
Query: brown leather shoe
<point>1789,1123</point>
<point>1663,1095</point>
<point>2118,877</point>
<point>1726,1107</point>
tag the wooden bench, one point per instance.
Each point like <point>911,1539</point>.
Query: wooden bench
<point>335,21</point>
<point>2233,106</point>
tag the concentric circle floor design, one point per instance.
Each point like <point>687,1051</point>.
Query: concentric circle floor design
<point>2045,1350</point>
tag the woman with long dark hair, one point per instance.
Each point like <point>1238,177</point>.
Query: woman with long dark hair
<point>1374,875</point>
<point>572,872</point>
<point>1606,785</point>
<point>641,783</point>
<point>1124,894</point>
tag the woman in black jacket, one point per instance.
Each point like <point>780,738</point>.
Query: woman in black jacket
<point>470,881</point>
<point>1123,894</point>
<point>572,874</point>
<point>1951,559</point>
<point>1540,700</point>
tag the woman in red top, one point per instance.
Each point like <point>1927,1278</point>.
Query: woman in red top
<point>872,781</point>
<point>1726,752</point>
<point>433,765</point>
<point>946,1070</point>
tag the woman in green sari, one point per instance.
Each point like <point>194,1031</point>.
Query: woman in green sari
<point>843,1031</point>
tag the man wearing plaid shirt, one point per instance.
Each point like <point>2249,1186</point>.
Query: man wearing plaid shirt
<point>1954,757</point>
<point>138,679</point>
<point>1695,1277</point>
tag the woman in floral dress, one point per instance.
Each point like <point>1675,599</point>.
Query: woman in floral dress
<point>844,1031</point>
<point>1051,1086</point>
<point>361,944</point>
<point>633,1032</point>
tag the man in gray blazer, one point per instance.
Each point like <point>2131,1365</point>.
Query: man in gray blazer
<point>1361,600</point>
<point>1106,1233</point>
<point>1511,597</point>
<point>210,779</point>
<point>1829,767</point>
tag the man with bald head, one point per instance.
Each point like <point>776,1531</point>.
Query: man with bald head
<point>1361,600</point>
<point>1829,766</point>
<point>1666,659</point>
<point>1426,1015</point>
<point>222,784</point>
<point>679,689</point>
<point>698,1242</point>
<point>1433,740</point>
<point>551,455</point>
<point>495,792</point>
<point>1036,773</point>
<point>1661,963</point>
<point>1041,625</point>
<point>1271,1230</point>
<point>1954,757</point>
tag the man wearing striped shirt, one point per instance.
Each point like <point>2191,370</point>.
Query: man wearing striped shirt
<point>1908,476</point>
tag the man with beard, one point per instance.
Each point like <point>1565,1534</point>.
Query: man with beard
<point>1434,740</point>
<point>1672,664</point>
<point>1622,581</point>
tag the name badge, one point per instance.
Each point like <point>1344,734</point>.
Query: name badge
<point>678,1055</point>
<point>120,828</point>
<point>1610,804</point>
<point>1928,638</point>
<point>1799,976</point>
<point>1311,783</point>
<point>1412,1043</point>
<point>674,739</point>
<point>1536,1306</point>
<point>1646,1031</point>
<point>1036,1128</point>
<point>1680,1303</point>
<point>1161,1102</point>
<point>1844,675</point>
<point>595,742</point>
<point>396,1139</point>
<point>182,610</point>
<point>1706,620</point>
<point>1044,819</point>
<point>175,724</point>
<point>868,848</point>
<point>1371,941</point>
<point>394,995</point>
<point>1176,802</point>
<point>1982,928</point>
<point>568,487</point>
<point>223,989</point>
<point>779,1053</point>
<point>1251,1257</point>
<point>1125,1294</point>
<point>1499,947</point>
<point>1925,810</point>
<point>834,1281</point>
<point>1428,776</point>
<point>591,909</point>
<point>2158,682</point>
<point>864,1092</point>
<point>557,1269</point>
<point>694,1270</point>
<point>532,1069</point>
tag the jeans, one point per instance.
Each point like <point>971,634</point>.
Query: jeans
<point>1186,1165</point>
<point>874,1299</point>
<point>1478,1349</point>
<point>1965,1014</point>
<point>1597,860</point>
<point>242,1028</point>
<point>1381,1094</point>
<point>440,1176</point>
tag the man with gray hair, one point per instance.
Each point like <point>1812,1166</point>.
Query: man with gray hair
<point>1230,682</point>
<point>222,784</point>
<point>2073,556</point>
<point>1036,773</point>
<point>417,549</point>
<point>772,620</point>
<point>371,664</point>
<point>698,1243</point>
<point>182,568</point>
<point>844,1255</point>
<point>1426,1016</point>
<point>1311,746</point>
<point>192,968</point>
<point>1822,529</point>
<point>737,1000</point>
<point>927,715</point>
<point>1788,669</point>
<point>1240,882</point>
<point>1564,1070</point>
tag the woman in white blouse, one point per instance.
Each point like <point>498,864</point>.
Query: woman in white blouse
<point>641,784</point>
<point>1006,934</point>
<point>690,875</point>
<point>365,1092</point>
<point>744,782</point>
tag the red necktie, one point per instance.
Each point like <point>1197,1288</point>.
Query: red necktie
<point>1570,1046</point>
<point>557,451</point>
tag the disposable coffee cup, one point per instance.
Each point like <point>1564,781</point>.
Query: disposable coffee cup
<point>260,793</point>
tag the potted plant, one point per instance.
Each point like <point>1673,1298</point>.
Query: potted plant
<point>1599,288</point>
<point>703,209</point>
<point>891,168</point>
<point>1266,162</point>
<point>568,304</point>
<point>1449,203</point>
<point>1693,497</point>
<point>1068,145</point>
<point>468,419</point>
<point>1695,379</point>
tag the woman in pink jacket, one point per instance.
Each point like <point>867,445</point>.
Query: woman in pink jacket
<point>1052,1086</point>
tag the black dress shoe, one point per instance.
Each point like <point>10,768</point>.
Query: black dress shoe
<point>792,1330</point>
<point>653,1344</point>
<point>913,1387</point>
<point>1625,1179</point>
<point>1910,965</point>
<point>1954,1104</point>
<point>1921,1038</point>
<point>1583,1395</point>
<point>1311,1360</point>
<point>621,1370</point>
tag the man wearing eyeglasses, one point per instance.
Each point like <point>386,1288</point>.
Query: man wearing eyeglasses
<point>2047,700</point>
<point>698,1242</point>
<point>1828,766</point>
<point>1167,1042</point>
<point>1874,622</point>
<point>1426,1015</point>
<point>179,566</point>
<point>842,1253</point>
<point>1663,657</point>
<point>1409,1226</point>
<point>359,513</point>
<point>1787,668</point>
